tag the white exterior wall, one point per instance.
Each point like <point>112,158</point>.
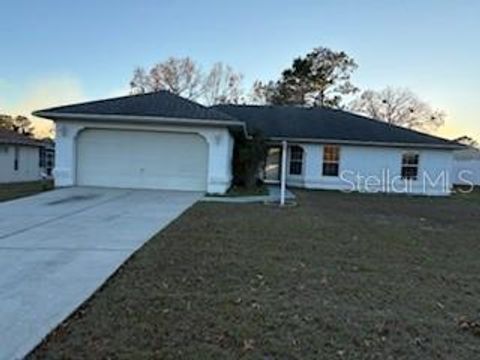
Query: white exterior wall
<point>376,169</point>
<point>466,167</point>
<point>219,140</point>
<point>466,172</point>
<point>28,164</point>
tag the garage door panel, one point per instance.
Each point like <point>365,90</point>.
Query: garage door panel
<point>137,159</point>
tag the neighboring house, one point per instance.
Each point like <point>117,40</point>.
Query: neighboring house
<point>19,158</point>
<point>466,167</point>
<point>162,141</point>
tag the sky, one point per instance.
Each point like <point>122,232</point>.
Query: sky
<point>55,52</point>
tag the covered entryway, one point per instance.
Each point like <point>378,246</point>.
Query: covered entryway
<point>272,164</point>
<point>142,160</point>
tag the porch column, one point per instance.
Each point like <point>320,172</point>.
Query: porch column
<point>220,152</point>
<point>283,177</point>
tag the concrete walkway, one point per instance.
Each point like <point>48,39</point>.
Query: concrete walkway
<point>273,196</point>
<point>58,247</point>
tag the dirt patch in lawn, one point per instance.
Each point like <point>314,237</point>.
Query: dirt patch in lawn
<point>338,276</point>
<point>17,190</point>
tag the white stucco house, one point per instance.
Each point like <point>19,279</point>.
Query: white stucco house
<point>21,158</point>
<point>162,141</point>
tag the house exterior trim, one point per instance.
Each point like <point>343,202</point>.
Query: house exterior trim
<point>135,118</point>
<point>364,143</point>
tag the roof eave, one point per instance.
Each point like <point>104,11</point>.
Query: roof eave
<point>20,143</point>
<point>135,118</point>
<point>370,143</point>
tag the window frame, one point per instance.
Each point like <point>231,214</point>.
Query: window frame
<point>296,162</point>
<point>408,165</point>
<point>331,160</point>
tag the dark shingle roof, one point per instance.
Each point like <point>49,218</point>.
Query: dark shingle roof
<point>14,138</point>
<point>325,124</point>
<point>273,121</point>
<point>157,104</point>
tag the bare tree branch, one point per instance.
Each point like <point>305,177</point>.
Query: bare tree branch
<point>182,76</point>
<point>19,124</point>
<point>399,107</point>
<point>222,85</point>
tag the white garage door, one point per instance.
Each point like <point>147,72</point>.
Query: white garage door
<point>140,159</point>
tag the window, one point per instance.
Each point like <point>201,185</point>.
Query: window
<point>331,160</point>
<point>49,160</point>
<point>42,157</point>
<point>15,158</point>
<point>410,166</point>
<point>296,160</point>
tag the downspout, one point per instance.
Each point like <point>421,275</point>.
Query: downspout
<point>283,178</point>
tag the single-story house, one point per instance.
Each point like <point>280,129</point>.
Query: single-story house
<point>163,141</point>
<point>21,157</point>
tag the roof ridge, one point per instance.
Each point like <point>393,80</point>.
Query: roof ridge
<point>194,103</point>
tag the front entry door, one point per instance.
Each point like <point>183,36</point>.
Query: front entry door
<point>272,165</point>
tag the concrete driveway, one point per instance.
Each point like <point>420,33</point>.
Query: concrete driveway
<point>58,247</point>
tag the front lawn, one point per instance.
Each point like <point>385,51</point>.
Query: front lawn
<point>12,191</point>
<point>337,277</point>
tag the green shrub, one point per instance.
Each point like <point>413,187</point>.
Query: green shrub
<point>249,155</point>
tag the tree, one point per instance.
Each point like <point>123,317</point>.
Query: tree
<point>182,76</point>
<point>6,122</point>
<point>248,156</point>
<point>20,124</point>
<point>140,83</point>
<point>222,85</point>
<point>262,93</point>
<point>320,78</point>
<point>468,141</point>
<point>398,106</point>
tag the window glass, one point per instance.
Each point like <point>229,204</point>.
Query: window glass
<point>331,160</point>
<point>41,157</point>
<point>410,166</point>
<point>296,160</point>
